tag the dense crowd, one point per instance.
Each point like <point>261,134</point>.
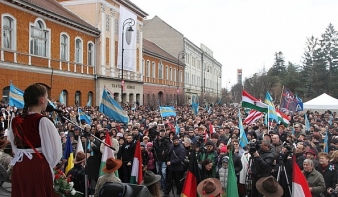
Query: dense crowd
<point>211,134</point>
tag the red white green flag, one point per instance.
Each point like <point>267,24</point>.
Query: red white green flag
<point>251,102</point>
<point>136,171</point>
<point>107,153</point>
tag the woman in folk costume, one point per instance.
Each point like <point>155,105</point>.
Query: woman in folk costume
<point>36,145</point>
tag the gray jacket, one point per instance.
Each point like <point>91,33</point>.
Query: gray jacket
<point>315,180</point>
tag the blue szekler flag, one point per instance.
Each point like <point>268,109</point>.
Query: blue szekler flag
<point>307,123</point>
<point>194,104</point>
<point>243,140</point>
<point>89,104</point>
<point>272,111</point>
<point>112,109</point>
<point>84,116</point>
<point>326,139</point>
<point>15,97</point>
<point>61,100</point>
<point>167,111</point>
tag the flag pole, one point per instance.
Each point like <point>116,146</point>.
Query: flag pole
<point>281,96</point>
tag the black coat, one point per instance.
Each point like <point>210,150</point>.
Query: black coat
<point>330,175</point>
<point>94,161</point>
<point>127,152</point>
<point>161,148</point>
<point>262,165</point>
<point>176,156</point>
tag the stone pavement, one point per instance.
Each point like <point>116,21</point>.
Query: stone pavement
<point>5,189</point>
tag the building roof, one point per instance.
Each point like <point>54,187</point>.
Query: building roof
<point>133,7</point>
<point>56,11</point>
<point>153,49</point>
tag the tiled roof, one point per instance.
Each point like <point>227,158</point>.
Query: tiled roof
<point>57,12</point>
<point>153,48</point>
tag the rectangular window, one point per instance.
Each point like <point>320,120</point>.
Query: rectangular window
<point>153,70</point>
<point>107,22</point>
<point>116,26</point>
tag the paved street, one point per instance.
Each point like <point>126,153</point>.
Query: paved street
<point>5,189</point>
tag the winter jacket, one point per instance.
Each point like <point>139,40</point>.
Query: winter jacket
<point>151,161</point>
<point>212,155</point>
<point>176,156</point>
<point>315,180</point>
<point>262,165</point>
<point>223,177</point>
<point>330,176</point>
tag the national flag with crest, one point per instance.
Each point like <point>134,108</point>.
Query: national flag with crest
<point>253,103</point>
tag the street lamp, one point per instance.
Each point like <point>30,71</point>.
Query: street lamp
<point>130,22</point>
<point>182,53</point>
<point>217,88</point>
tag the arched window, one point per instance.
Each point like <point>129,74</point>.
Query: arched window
<point>153,70</point>
<point>5,94</point>
<point>90,99</point>
<point>78,51</point>
<point>39,39</point>
<point>78,98</point>
<point>90,60</point>
<point>8,32</point>
<point>142,71</point>
<point>63,97</point>
<point>160,70</point>
<point>64,47</point>
<point>148,69</point>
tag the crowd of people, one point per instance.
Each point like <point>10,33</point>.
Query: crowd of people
<point>265,162</point>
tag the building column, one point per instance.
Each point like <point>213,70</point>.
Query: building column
<point>103,40</point>
<point>112,43</point>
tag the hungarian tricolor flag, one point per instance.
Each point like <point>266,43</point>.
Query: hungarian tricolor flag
<point>192,178</point>
<point>136,171</point>
<point>300,187</point>
<point>283,118</point>
<point>107,153</point>
<point>251,102</point>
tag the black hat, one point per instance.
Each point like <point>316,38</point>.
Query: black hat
<point>209,143</point>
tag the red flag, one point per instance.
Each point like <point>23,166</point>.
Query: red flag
<point>300,187</point>
<point>192,178</point>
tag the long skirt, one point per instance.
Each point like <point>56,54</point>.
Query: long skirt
<point>32,178</point>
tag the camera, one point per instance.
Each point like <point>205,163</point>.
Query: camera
<point>253,146</point>
<point>333,192</point>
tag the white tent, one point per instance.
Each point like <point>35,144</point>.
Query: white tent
<point>321,103</point>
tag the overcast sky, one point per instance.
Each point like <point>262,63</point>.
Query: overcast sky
<point>246,33</point>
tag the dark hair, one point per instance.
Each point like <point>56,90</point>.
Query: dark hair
<point>206,162</point>
<point>154,189</point>
<point>31,96</point>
